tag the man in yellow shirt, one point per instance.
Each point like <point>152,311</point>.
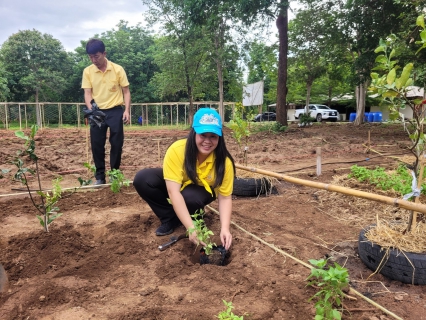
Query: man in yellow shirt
<point>105,83</point>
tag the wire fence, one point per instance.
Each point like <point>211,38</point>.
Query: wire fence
<point>55,114</point>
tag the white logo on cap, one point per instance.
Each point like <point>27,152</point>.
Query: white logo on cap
<point>209,119</point>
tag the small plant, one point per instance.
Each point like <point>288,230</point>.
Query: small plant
<point>240,129</point>
<point>50,212</point>
<point>331,282</point>
<point>228,314</point>
<point>305,120</point>
<point>203,233</point>
<point>47,208</point>
<point>87,182</point>
<point>117,180</point>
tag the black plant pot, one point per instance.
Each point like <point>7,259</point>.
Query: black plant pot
<point>216,257</point>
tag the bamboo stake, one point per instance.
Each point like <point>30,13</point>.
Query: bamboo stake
<point>351,290</point>
<point>348,191</point>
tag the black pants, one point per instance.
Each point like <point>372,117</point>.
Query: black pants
<point>113,121</point>
<point>151,186</point>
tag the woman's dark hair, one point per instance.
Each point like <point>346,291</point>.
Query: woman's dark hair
<point>94,46</point>
<point>220,152</point>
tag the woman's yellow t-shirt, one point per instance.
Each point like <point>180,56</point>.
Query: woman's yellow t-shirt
<point>173,169</point>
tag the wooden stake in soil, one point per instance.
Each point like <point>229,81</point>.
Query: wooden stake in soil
<point>318,161</point>
<point>158,146</point>
<point>368,143</point>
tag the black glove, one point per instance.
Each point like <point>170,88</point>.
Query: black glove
<point>95,115</point>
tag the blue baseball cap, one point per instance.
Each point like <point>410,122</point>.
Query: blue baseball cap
<point>207,120</point>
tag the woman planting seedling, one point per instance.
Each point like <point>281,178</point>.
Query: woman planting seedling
<point>195,171</point>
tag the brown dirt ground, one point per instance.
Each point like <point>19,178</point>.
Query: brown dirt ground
<point>100,260</point>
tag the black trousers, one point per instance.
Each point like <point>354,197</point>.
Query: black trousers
<point>151,186</point>
<point>113,121</point>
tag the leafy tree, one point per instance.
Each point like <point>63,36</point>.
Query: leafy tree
<point>36,64</point>
<point>366,22</point>
<point>4,90</point>
<point>128,47</point>
<point>174,64</point>
<point>188,46</point>
<point>262,65</point>
<point>261,13</point>
<point>218,18</point>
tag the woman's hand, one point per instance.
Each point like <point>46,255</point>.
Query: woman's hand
<point>193,238</point>
<point>226,238</point>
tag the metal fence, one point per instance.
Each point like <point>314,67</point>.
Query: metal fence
<point>55,114</point>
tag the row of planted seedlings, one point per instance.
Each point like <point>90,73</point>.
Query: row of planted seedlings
<point>26,162</point>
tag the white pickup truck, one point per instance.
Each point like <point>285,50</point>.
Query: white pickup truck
<point>319,112</point>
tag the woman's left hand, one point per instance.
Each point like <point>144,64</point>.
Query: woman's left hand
<point>226,238</point>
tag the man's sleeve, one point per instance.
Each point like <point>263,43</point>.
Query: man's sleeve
<point>85,82</point>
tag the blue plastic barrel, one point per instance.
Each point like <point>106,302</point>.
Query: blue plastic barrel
<point>366,116</point>
<point>378,117</point>
<point>352,117</point>
<point>371,116</point>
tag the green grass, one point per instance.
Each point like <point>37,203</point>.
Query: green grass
<point>399,180</point>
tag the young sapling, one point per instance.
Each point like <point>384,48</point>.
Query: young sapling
<point>331,283</point>
<point>203,233</point>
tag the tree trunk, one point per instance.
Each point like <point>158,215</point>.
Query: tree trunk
<point>219,46</point>
<point>282,26</point>
<point>360,94</point>
<point>308,95</point>
<point>220,79</point>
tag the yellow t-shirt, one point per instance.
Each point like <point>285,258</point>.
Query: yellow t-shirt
<point>173,169</point>
<point>106,86</point>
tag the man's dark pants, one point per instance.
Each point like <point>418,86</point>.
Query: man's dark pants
<point>113,121</point>
<point>151,186</point>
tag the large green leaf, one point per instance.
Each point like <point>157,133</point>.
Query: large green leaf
<point>391,76</point>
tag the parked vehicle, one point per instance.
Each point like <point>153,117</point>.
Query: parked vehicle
<point>266,116</point>
<point>319,112</point>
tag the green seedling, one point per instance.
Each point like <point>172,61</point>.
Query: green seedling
<point>330,282</point>
<point>306,120</point>
<point>50,211</point>
<point>203,233</point>
<point>241,129</point>
<point>47,208</point>
<point>228,314</point>
<point>84,182</point>
<point>117,180</point>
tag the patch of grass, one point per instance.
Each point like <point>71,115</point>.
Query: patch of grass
<point>399,180</point>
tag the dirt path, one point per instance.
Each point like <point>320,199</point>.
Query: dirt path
<point>101,258</point>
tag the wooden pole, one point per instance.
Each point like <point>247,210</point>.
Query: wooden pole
<point>318,161</point>
<point>348,191</point>
<point>6,122</point>
<point>20,117</point>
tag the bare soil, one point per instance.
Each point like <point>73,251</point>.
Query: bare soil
<point>100,260</point>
